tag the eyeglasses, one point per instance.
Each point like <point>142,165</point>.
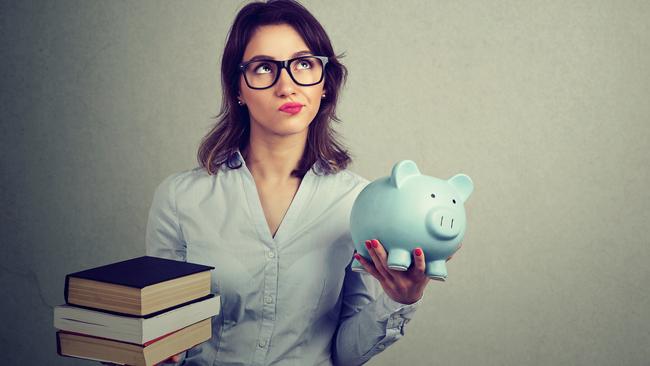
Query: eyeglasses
<point>304,71</point>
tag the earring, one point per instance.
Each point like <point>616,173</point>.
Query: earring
<point>323,96</point>
<point>240,102</point>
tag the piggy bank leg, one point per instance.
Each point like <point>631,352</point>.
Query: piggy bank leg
<point>399,259</point>
<point>437,270</point>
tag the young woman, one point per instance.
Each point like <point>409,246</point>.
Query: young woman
<point>269,208</point>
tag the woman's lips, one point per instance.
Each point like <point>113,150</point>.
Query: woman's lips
<point>291,108</point>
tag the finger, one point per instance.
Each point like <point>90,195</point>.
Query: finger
<point>419,264</point>
<point>368,266</point>
<point>174,358</point>
<point>373,263</point>
<point>379,257</point>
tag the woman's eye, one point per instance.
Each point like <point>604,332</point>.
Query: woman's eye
<point>304,64</point>
<point>263,69</point>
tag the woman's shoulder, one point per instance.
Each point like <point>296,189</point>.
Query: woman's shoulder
<point>185,180</point>
<point>345,180</point>
<point>348,175</point>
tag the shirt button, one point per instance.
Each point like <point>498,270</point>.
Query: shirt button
<point>262,343</point>
<point>381,346</point>
<point>271,255</point>
<point>268,299</point>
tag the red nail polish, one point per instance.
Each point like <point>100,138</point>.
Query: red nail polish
<point>357,256</point>
<point>418,252</point>
<point>368,244</point>
<point>375,243</point>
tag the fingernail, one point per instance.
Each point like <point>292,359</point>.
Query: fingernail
<point>375,243</point>
<point>418,252</point>
<point>368,245</point>
<point>357,256</point>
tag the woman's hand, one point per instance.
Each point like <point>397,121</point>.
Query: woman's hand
<point>405,287</point>
<point>174,358</point>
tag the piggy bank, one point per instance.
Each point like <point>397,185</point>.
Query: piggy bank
<point>409,210</point>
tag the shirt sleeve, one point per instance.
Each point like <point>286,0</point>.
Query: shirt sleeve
<point>163,236</point>
<point>370,320</point>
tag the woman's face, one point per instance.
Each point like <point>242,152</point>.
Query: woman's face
<point>280,42</point>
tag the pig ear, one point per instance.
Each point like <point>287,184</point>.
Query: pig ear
<point>463,185</point>
<point>402,171</point>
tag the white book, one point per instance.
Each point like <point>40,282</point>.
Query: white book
<point>133,329</point>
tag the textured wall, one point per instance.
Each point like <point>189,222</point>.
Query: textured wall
<point>543,103</point>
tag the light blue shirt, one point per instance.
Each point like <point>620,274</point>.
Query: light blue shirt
<point>291,299</point>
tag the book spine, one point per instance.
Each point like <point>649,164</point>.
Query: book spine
<point>58,344</point>
<point>65,289</point>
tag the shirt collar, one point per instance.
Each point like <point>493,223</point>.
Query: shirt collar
<point>236,160</point>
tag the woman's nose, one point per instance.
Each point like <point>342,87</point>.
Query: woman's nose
<point>285,85</point>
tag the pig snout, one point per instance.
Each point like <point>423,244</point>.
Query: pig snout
<point>444,223</point>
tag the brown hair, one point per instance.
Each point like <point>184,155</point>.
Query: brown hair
<point>231,132</point>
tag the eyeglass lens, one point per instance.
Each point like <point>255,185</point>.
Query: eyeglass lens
<point>305,71</point>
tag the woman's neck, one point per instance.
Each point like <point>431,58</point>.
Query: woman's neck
<point>273,158</point>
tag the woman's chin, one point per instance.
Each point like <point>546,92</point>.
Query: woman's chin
<point>289,127</point>
<point>289,131</point>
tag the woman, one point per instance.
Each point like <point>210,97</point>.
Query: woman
<point>269,209</point>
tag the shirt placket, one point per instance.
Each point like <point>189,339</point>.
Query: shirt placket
<point>270,283</point>
<point>268,306</point>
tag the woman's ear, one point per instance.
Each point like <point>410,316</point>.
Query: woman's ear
<point>240,100</point>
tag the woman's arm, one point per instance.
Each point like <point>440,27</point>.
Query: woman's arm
<point>369,322</point>
<point>163,237</point>
<point>372,317</point>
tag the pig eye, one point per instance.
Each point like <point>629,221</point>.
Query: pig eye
<point>454,201</point>
<point>433,195</point>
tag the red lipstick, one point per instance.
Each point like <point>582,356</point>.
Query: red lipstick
<point>291,108</point>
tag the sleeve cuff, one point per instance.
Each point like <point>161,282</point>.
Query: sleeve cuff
<point>392,306</point>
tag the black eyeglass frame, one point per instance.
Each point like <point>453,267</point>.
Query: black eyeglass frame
<point>283,65</point>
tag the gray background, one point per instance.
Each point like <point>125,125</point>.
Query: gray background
<point>543,103</point>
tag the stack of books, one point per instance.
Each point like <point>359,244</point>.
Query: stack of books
<point>136,312</point>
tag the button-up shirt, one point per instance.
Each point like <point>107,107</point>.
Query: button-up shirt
<point>288,299</point>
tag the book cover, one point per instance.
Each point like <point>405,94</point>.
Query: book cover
<point>138,272</point>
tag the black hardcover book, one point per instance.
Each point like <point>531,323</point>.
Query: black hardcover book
<point>138,272</point>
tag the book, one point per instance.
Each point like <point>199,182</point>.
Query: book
<point>108,350</point>
<point>139,330</point>
<point>138,286</point>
